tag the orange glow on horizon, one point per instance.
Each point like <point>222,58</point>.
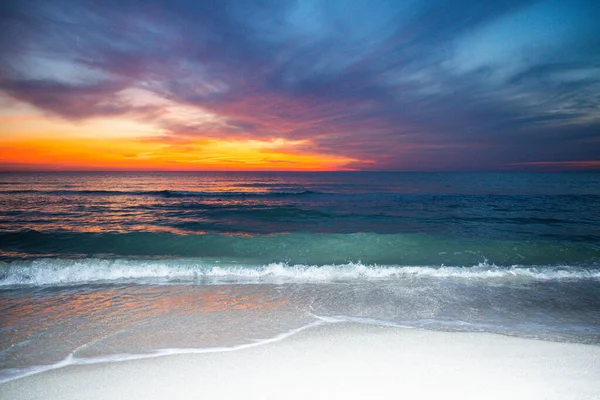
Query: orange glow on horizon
<point>153,154</point>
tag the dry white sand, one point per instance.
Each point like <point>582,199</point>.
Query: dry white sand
<point>341,361</point>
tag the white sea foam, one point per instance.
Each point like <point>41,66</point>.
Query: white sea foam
<point>64,272</point>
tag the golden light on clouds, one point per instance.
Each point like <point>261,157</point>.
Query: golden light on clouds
<point>30,140</point>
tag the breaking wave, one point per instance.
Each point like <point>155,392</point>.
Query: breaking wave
<point>66,272</point>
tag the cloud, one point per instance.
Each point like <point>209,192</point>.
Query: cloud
<point>402,85</point>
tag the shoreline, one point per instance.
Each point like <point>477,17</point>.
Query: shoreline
<point>338,360</point>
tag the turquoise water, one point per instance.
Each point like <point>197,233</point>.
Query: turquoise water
<point>101,264</point>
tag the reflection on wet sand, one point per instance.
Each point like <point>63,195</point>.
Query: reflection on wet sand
<point>48,324</point>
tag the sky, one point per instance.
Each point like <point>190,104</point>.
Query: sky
<point>408,85</point>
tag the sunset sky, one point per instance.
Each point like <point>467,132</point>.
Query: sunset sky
<point>299,85</point>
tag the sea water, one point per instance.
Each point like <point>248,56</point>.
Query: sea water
<point>100,267</point>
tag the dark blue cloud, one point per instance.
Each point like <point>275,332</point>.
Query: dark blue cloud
<point>410,85</point>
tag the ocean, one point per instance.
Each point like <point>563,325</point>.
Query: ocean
<point>99,267</point>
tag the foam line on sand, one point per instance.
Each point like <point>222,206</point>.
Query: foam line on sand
<point>340,361</point>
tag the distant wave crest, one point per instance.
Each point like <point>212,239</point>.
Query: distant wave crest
<point>159,193</point>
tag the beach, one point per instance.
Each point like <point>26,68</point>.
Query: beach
<point>340,361</point>
<point>263,199</point>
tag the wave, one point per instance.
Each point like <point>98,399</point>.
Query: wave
<point>160,193</point>
<point>68,272</point>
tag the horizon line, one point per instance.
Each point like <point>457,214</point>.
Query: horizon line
<point>507,170</point>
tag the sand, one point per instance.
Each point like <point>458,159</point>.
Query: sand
<point>340,361</point>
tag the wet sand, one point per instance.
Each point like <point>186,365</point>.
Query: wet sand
<point>340,361</point>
